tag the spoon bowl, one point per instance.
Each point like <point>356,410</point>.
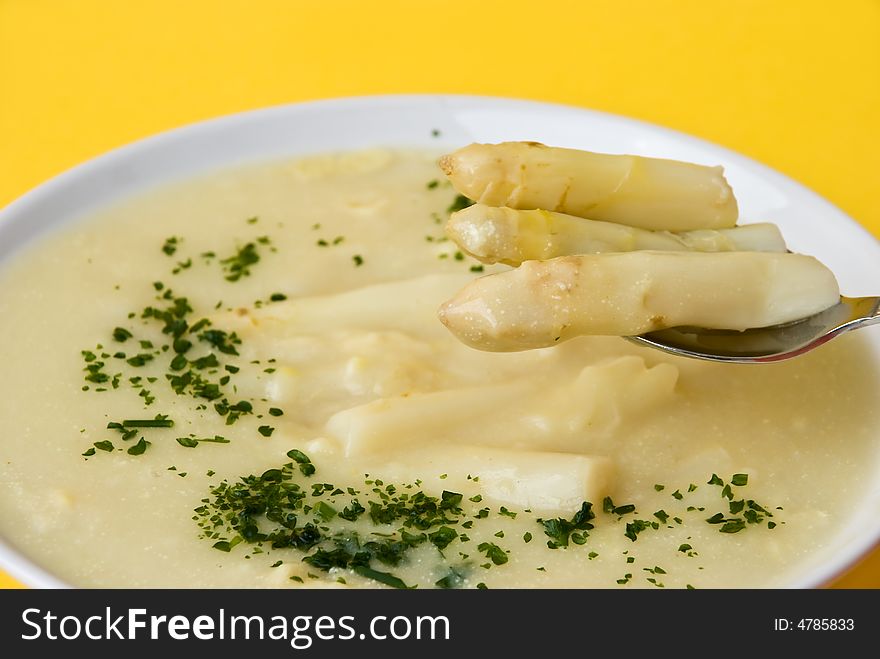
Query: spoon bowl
<point>766,344</point>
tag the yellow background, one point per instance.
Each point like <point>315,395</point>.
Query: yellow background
<point>792,83</point>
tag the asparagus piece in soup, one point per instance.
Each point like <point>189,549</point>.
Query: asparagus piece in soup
<point>649,193</point>
<point>542,303</point>
<point>540,481</point>
<point>510,236</point>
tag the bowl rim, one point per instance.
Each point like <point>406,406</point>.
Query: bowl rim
<point>16,563</point>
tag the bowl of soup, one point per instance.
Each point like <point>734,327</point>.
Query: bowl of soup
<point>224,368</point>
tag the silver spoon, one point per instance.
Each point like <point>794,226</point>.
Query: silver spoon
<point>766,344</point>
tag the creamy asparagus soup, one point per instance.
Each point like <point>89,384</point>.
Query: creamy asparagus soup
<point>242,380</point>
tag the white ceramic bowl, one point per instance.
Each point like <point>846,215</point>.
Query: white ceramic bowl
<point>810,224</point>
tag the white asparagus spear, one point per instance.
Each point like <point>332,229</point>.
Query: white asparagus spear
<point>510,236</point>
<point>542,481</point>
<point>387,424</point>
<point>408,305</point>
<point>544,302</point>
<point>649,193</point>
<point>575,411</point>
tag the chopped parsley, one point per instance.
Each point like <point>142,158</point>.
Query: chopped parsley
<point>160,421</point>
<point>741,512</point>
<point>170,245</point>
<point>139,448</point>
<point>454,579</point>
<point>459,203</point>
<point>493,552</point>
<point>637,526</point>
<point>239,264</point>
<point>560,530</point>
<point>609,507</point>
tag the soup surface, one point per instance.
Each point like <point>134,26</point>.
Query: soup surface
<point>241,381</point>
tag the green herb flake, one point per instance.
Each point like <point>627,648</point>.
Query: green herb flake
<point>170,245</point>
<point>493,552</point>
<point>160,421</point>
<point>139,448</point>
<point>634,528</point>
<point>459,203</point>
<point>239,264</point>
<point>382,577</point>
<point>559,530</point>
<point>305,464</point>
<point>732,526</point>
<point>227,546</point>
<point>443,536</point>
<point>455,579</point>
<point>326,511</point>
<point>139,360</point>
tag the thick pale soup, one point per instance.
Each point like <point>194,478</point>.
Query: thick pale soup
<point>242,381</point>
